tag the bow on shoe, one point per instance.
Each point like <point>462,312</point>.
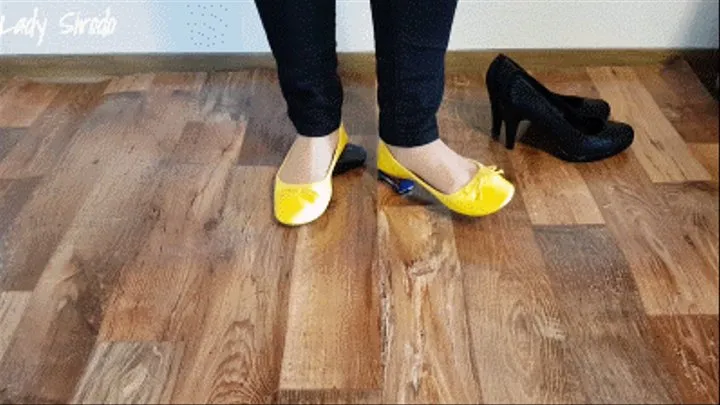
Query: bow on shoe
<point>485,173</point>
<point>488,171</point>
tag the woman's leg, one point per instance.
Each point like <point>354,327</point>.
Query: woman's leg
<point>411,38</point>
<point>301,34</point>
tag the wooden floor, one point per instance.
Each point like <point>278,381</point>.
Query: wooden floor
<point>140,262</point>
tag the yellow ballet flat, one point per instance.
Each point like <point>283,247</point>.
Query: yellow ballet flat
<point>487,192</point>
<point>299,204</point>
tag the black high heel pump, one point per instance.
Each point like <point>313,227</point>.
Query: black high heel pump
<point>575,129</point>
<point>592,107</point>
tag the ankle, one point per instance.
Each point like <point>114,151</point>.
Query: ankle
<point>317,139</point>
<point>421,152</point>
<point>309,158</point>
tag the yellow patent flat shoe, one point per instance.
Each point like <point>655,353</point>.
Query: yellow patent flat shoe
<point>487,192</point>
<point>299,204</point>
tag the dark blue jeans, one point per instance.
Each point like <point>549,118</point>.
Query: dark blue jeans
<point>411,38</point>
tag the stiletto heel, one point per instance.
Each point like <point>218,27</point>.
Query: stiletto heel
<point>512,121</point>
<point>401,186</point>
<point>497,117</point>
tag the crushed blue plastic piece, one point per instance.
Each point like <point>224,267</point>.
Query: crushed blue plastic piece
<point>401,187</point>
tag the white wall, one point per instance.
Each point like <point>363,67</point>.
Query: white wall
<point>233,26</point>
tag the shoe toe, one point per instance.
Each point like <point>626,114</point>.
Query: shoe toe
<point>293,212</point>
<point>597,108</point>
<point>616,138</point>
<point>298,208</point>
<point>627,129</point>
<point>502,192</point>
<point>604,108</point>
<point>494,196</point>
<point>624,133</point>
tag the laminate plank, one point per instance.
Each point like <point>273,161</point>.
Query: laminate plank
<point>689,349</point>
<point>237,336</point>
<point>707,154</point>
<point>595,287</point>
<point>187,204</point>
<point>9,137</point>
<point>658,146</point>
<point>683,99</point>
<point>131,83</point>
<point>205,143</point>
<point>44,142</point>
<point>695,210</point>
<point>695,122</point>
<point>57,334</point>
<point>131,174</point>
<point>130,373</point>
<point>270,132</point>
<point>521,343</point>
<point>226,96</point>
<point>167,267</point>
<point>53,341</point>
<point>10,87</point>
<point>189,83</point>
<point>681,78</point>
<point>22,106</point>
<point>333,332</point>
<point>56,337</point>
<point>668,97</point>
<point>329,397</point>
<point>110,164</point>
<point>554,192</point>
<point>12,308</point>
<point>672,275</point>
<point>428,353</point>
<point>13,196</point>
<point>38,228</point>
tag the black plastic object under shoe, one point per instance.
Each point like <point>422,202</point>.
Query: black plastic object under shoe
<point>352,157</point>
<point>586,106</point>
<point>567,133</point>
